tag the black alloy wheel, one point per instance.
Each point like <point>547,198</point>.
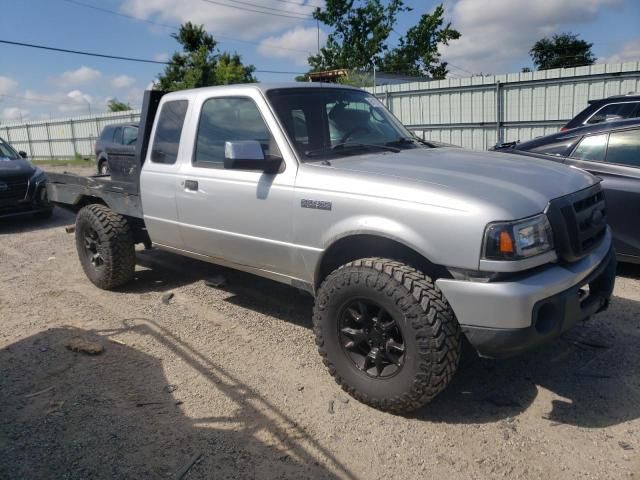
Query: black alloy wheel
<point>371,338</point>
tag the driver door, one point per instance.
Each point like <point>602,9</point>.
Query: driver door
<point>240,216</point>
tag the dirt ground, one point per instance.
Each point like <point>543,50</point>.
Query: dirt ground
<point>226,383</point>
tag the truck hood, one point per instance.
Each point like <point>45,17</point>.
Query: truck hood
<point>519,186</point>
<point>15,168</point>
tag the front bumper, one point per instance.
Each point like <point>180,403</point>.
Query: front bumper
<point>35,200</point>
<point>501,319</point>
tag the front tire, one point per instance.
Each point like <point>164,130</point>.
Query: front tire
<point>386,334</point>
<point>105,246</point>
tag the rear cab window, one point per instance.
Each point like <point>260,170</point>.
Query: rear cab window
<point>166,139</point>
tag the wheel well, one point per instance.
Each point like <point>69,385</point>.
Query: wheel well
<point>87,200</point>
<point>362,246</point>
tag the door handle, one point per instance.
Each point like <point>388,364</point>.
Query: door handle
<point>191,185</point>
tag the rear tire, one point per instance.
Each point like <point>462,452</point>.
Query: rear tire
<point>105,246</point>
<point>420,356</point>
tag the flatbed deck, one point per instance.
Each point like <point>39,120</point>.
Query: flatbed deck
<point>72,191</point>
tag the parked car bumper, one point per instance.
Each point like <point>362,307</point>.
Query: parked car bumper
<point>35,200</point>
<point>501,319</point>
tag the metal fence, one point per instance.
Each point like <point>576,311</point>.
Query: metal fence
<point>62,138</point>
<point>477,112</point>
<point>473,112</point>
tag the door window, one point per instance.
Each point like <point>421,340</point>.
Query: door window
<point>592,148</point>
<point>168,130</point>
<point>129,136</point>
<point>624,148</point>
<point>117,135</point>
<point>228,119</point>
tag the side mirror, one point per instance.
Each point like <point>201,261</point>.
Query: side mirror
<point>22,153</point>
<point>248,155</point>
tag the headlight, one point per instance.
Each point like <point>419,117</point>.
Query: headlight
<point>519,239</point>
<point>38,174</point>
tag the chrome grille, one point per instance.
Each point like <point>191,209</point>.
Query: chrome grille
<point>13,189</point>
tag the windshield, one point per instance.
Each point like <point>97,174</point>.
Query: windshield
<point>330,122</point>
<point>7,152</point>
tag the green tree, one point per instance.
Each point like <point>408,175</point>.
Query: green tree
<point>201,64</point>
<point>360,37</point>
<point>114,105</point>
<point>417,50</point>
<point>561,51</point>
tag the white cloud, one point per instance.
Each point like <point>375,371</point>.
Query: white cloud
<point>296,44</point>
<point>81,76</point>
<point>13,114</point>
<point>7,85</point>
<point>496,33</point>
<point>630,52</point>
<point>123,81</point>
<point>79,98</point>
<point>74,101</point>
<point>218,19</point>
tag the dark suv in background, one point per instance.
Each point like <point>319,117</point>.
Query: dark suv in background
<point>116,142</point>
<point>618,107</point>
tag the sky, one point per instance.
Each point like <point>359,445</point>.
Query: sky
<point>37,84</point>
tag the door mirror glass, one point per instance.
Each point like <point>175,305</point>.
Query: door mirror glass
<point>243,150</point>
<point>248,155</point>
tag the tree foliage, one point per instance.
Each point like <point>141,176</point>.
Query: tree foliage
<point>114,105</point>
<point>201,64</point>
<point>360,38</point>
<point>561,51</point>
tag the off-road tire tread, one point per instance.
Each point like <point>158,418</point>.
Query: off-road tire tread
<point>119,247</point>
<point>437,330</point>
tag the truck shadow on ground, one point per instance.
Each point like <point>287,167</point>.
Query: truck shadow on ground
<point>592,372</point>
<point>30,223</point>
<point>114,415</point>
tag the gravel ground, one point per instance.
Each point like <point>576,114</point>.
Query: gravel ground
<point>226,383</point>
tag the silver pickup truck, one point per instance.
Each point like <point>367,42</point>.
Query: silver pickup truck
<point>407,246</point>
